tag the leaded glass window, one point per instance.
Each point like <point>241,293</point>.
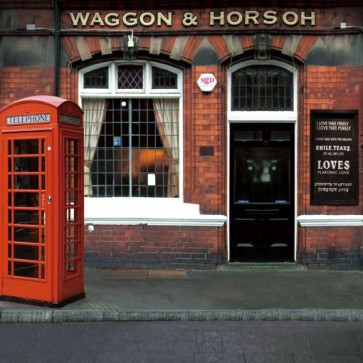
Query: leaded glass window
<point>262,88</point>
<point>163,79</point>
<point>97,79</point>
<point>137,150</point>
<point>130,77</point>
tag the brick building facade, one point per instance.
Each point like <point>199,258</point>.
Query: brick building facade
<point>215,134</point>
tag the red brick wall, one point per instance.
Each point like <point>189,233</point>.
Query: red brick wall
<point>205,124</point>
<point>208,173</point>
<point>154,246</point>
<point>331,88</point>
<point>336,248</point>
<point>20,82</point>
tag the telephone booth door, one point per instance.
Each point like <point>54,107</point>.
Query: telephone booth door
<point>71,216</point>
<point>41,201</point>
<point>26,257</point>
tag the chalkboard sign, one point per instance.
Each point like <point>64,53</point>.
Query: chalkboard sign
<point>334,157</point>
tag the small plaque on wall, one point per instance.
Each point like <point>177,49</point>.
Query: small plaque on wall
<point>334,157</point>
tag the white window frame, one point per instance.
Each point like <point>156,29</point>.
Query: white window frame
<point>95,91</point>
<point>139,210</point>
<point>147,89</point>
<point>263,116</point>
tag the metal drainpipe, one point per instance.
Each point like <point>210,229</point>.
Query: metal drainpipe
<point>56,48</point>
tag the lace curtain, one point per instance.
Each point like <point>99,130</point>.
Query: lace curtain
<point>94,115</point>
<point>167,123</point>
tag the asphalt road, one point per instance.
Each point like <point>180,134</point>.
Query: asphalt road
<point>329,342</point>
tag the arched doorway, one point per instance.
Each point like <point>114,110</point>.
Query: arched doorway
<point>262,117</point>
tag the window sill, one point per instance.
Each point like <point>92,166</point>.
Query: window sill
<point>157,212</point>
<point>330,220</point>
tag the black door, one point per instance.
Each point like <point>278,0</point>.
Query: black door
<point>262,192</point>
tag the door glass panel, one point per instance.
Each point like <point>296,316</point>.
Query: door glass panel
<point>261,174</point>
<point>280,135</point>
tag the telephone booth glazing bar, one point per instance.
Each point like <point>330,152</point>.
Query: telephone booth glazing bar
<point>27,247</point>
<point>73,207</point>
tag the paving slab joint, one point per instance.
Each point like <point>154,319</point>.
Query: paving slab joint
<point>66,316</point>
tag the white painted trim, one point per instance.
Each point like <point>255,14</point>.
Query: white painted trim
<point>296,186</point>
<point>113,91</point>
<point>148,211</point>
<point>201,221</point>
<point>315,220</point>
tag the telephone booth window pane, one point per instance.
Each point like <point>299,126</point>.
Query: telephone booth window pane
<point>26,252</point>
<point>26,269</point>
<point>29,217</point>
<point>26,146</point>
<point>26,164</point>
<point>30,235</point>
<point>26,181</point>
<point>26,199</point>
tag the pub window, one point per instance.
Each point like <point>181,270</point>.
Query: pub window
<point>132,140</point>
<point>262,88</point>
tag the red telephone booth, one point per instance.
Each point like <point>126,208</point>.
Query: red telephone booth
<point>41,197</point>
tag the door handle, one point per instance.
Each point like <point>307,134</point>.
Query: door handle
<point>49,200</point>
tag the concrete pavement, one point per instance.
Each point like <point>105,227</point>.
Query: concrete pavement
<point>234,292</point>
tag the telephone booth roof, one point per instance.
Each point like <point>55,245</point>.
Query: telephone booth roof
<point>39,110</point>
